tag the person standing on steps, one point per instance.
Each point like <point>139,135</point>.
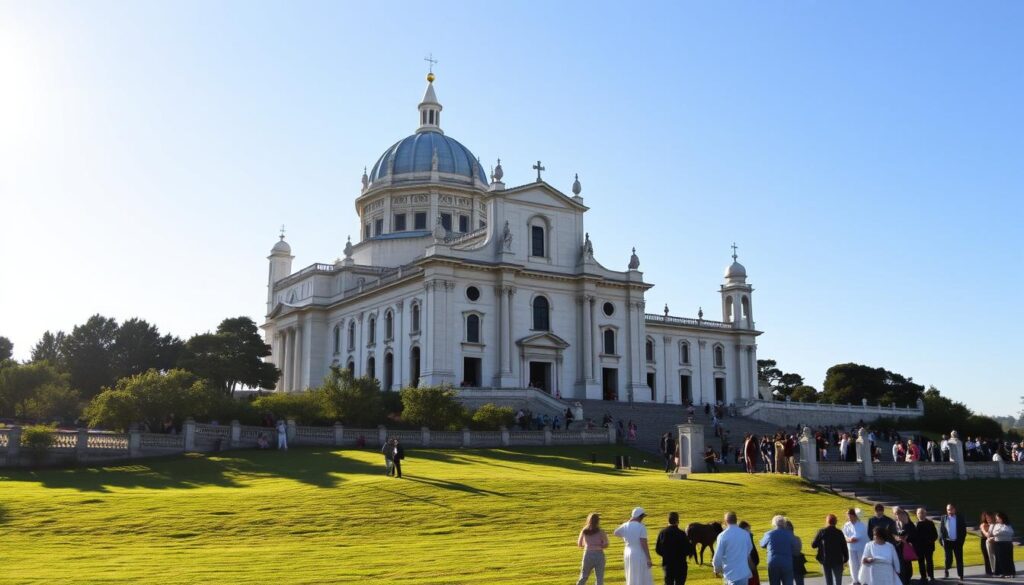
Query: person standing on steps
<point>925,545</point>
<point>398,455</point>
<point>673,546</point>
<point>856,533</point>
<point>832,552</point>
<point>636,555</point>
<point>952,533</point>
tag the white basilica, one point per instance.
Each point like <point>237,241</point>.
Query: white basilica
<point>463,281</point>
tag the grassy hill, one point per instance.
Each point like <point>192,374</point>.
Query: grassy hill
<point>319,515</point>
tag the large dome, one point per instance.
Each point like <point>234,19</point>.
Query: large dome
<point>411,159</point>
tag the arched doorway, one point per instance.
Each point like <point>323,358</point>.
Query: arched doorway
<point>371,367</point>
<point>414,366</point>
<point>389,366</point>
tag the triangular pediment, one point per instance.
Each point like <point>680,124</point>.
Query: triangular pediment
<point>545,340</point>
<point>279,309</point>
<point>541,193</point>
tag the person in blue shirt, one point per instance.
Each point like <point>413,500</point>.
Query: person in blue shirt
<point>780,545</point>
<point>732,553</point>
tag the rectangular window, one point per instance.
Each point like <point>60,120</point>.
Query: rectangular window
<point>419,221</point>
<point>399,224</point>
<point>537,241</point>
<point>463,224</point>
<point>366,232</point>
<point>378,227</point>
<point>446,221</point>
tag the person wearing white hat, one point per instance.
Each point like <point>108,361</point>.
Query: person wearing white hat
<point>856,534</point>
<point>636,555</point>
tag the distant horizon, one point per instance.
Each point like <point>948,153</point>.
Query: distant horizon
<point>865,159</point>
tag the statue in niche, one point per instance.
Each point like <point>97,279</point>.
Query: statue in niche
<point>506,237</point>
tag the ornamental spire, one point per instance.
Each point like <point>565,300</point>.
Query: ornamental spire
<point>430,108</point>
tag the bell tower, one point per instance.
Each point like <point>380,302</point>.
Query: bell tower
<point>737,306</point>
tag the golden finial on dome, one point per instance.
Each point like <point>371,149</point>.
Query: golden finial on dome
<point>430,59</point>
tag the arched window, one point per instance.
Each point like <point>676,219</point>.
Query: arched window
<point>541,314</point>
<point>728,309</point>
<point>351,335</point>
<point>473,328</point>
<point>719,356</point>
<point>539,229</point>
<point>351,367</point>
<point>745,306</point>
<point>371,367</point>
<point>389,326</point>
<point>609,341</point>
<point>337,339</point>
<point>649,349</point>
<point>414,366</point>
<point>371,331</point>
<point>684,352</point>
<point>415,317</point>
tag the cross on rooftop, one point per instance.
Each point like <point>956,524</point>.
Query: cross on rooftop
<point>430,59</point>
<point>538,168</point>
<point>282,231</point>
<point>734,248</point>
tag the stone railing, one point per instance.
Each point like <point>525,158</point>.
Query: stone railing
<point>84,446</point>
<point>686,322</point>
<point>788,413</point>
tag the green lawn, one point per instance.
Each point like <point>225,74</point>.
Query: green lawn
<point>322,516</point>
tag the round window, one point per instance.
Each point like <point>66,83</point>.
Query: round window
<point>472,293</point>
<point>609,309</point>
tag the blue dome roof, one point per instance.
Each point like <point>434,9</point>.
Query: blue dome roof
<point>412,157</point>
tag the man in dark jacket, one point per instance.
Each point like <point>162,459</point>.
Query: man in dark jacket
<point>882,521</point>
<point>673,547</point>
<point>952,533</point>
<point>398,457</point>
<point>832,551</point>
<point>670,453</point>
<point>924,546</point>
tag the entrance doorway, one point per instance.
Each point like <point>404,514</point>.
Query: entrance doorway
<point>650,384</point>
<point>719,390</point>
<point>685,390</point>
<point>610,383</point>
<point>471,372</point>
<point>540,375</point>
<point>414,366</point>
<point>389,370</point>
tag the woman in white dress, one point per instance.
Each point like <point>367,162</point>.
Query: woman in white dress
<point>856,534</point>
<point>636,556</point>
<point>881,562</point>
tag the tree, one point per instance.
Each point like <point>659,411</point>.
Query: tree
<point>437,408</point>
<point>151,397</point>
<point>6,349</point>
<point>851,383</point>
<point>804,393</point>
<point>50,348</point>
<point>20,383</point>
<point>782,384</point>
<point>354,401</point>
<point>231,357</point>
<point>138,347</point>
<point>87,355</point>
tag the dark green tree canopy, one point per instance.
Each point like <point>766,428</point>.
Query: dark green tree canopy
<point>231,357</point>
<point>6,349</point>
<point>88,355</point>
<point>50,348</point>
<point>854,382</point>
<point>783,384</point>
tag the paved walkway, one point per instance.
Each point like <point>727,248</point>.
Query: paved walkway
<point>974,574</point>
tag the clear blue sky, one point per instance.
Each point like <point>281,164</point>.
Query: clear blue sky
<point>865,156</point>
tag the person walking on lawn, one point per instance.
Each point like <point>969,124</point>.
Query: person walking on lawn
<point>832,551</point>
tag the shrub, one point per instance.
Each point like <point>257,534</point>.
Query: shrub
<point>37,438</point>
<point>490,416</point>
<point>151,397</point>
<point>305,407</point>
<point>353,401</point>
<point>434,407</point>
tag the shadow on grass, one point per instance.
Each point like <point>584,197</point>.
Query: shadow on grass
<point>454,485</point>
<point>718,481</point>
<point>569,458</point>
<point>316,467</point>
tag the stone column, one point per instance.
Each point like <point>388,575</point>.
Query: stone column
<point>808,456</point>
<point>956,455</point>
<point>499,295</point>
<point>506,438</point>
<point>666,345</point>
<point>282,360</point>
<point>864,456</point>
<point>425,436</point>
<point>134,443</point>
<point>595,342</point>
<point>547,436</point>
<point>82,444</point>
<point>297,360</point>
<point>510,340</point>
<point>691,448</point>
<point>467,439</point>
<point>586,374</point>
<point>399,341</point>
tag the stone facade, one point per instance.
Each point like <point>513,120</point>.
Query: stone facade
<point>459,280</point>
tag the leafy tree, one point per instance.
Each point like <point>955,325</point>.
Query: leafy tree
<point>55,401</point>
<point>353,401</point>
<point>231,357</point>
<point>88,356</point>
<point>783,384</point>
<point>850,383</point>
<point>151,397</point>
<point>138,347</point>
<point>437,407</point>
<point>20,383</point>
<point>50,348</point>
<point>804,393</point>
<point>6,349</point>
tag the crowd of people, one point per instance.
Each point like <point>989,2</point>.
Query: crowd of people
<point>881,551</point>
